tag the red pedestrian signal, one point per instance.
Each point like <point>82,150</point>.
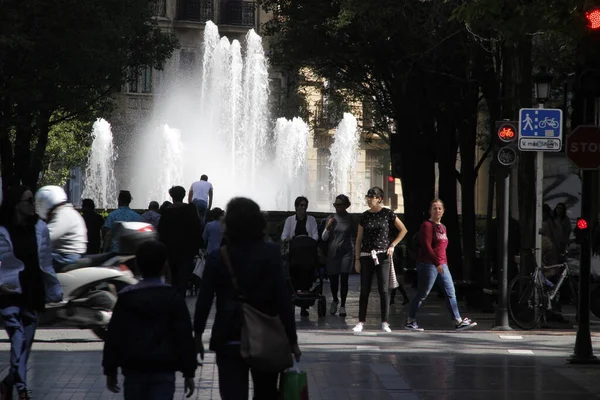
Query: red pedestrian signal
<point>593,18</point>
<point>582,223</point>
<point>505,143</point>
<point>581,231</point>
<point>390,179</point>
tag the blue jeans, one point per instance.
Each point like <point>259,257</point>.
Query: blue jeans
<point>156,386</point>
<point>202,207</point>
<point>427,276</point>
<point>59,260</point>
<point>20,324</point>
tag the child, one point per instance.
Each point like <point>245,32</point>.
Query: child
<point>150,334</point>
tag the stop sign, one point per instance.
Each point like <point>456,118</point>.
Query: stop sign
<point>583,147</point>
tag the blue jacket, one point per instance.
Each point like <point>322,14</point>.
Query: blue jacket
<point>10,266</point>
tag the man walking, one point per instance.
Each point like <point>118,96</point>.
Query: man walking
<point>201,195</point>
<point>121,214</point>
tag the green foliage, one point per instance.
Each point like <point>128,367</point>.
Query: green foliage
<point>68,146</point>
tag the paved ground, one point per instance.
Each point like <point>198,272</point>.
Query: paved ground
<point>438,364</point>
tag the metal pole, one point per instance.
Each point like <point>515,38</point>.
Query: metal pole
<point>502,323</point>
<point>539,202</point>
<point>583,352</point>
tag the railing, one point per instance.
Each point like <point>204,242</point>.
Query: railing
<point>235,12</point>
<point>195,10</point>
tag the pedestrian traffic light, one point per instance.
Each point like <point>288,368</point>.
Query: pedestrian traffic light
<point>505,144</point>
<point>581,231</point>
<point>593,18</point>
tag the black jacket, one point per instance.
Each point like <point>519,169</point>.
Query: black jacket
<point>180,229</point>
<point>150,331</point>
<point>259,272</point>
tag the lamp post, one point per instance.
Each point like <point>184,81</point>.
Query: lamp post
<point>542,82</point>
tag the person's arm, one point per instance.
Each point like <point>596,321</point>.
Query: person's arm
<point>402,231</point>
<point>111,349</point>
<point>287,228</point>
<point>328,228</point>
<point>182,329</point>
<point>107,232</point>
<point>314,229</point>
<point>191,194</point>
<point>206,294</point>
<point>210,198</point>
<point>359,235</point>
<point>426,240</point>
<point>205,235</point>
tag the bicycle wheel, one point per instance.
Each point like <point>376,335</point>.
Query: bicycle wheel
<point>524,310</point>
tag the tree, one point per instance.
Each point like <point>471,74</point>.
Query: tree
<point>60,61</point>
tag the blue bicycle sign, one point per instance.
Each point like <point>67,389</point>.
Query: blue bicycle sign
<point>542,124</point>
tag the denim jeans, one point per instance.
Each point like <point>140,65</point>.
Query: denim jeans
<point>202,207</point>
<point>367,270</point>
<point>20,325</point>
<point>155,386</point>
<point>233,377</point>
<point>59,260</point>
<point>428,274</point>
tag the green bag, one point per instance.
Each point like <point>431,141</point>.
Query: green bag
<point>293,385</point>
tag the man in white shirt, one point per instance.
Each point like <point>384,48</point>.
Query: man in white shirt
<point>201,195</point>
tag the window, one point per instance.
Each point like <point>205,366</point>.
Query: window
<point>374,168</point>
<point>323,175</point>
<point>140,81</point>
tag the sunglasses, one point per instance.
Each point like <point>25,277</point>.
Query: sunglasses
<point>371,197</point>
<point>338,205</point>
<point>29,200</point>
<point>302,205</point>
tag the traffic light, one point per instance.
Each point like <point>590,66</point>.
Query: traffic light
<point>581,231</point>
<point>505,144</point>
<point>593,19</point>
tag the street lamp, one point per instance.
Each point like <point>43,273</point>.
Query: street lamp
<point>542,81</point>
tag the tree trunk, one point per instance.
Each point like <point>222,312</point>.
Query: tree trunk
<point>43,129</point>
<point>23,144</point>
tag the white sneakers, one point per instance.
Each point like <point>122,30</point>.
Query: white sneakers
<point>385,327</point>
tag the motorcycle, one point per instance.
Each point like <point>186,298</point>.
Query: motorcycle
<point>91,284</point>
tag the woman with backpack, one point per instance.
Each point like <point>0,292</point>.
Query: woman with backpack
<point>431,263</point>
<point>373,254</point>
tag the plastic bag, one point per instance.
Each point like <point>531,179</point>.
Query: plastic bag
<point>293,384</point>
<point>200,261</point>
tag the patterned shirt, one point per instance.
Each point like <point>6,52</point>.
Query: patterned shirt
<point>121,214</point>
<point>376,229</point>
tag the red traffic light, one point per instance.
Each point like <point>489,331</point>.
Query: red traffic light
<point>593,18</point>
<point>582,224</point>
<point>506,133</point>
<point>390,178</point>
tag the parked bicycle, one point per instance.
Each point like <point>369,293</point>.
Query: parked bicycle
<point>531,297</point>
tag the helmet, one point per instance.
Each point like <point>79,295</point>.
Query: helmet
<point>48,197</point>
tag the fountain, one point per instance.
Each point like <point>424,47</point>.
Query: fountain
<point>343,160</point>
<point>169,165</point>
<point>100,184</point>
<point>291,139</point>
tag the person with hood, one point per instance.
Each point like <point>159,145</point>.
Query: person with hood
<point>27,282</point>
<point>179,228</point>
<point>68,232</point>
<point>150,334</point>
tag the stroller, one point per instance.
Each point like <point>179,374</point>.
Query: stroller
<point>303,268</point>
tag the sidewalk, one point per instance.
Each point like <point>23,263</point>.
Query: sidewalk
<point>438,364</point>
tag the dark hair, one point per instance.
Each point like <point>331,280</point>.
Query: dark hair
<point>177,193</point>
<point>344,198</point>
<point>204,178</point>
<point>12,198</point>
<point>215,214</point>
<point>153,205</point>
<point>164,206</point>
<point>432,202</point>
<point>559,205</point>
<point>151,258</point>
<point>375,191</point>
<point>124,197</point>
<point>300,199</point>
<point>88,204</point>
<point>244,222</point>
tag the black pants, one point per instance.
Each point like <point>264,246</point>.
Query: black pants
<point>335,281</point>
<point>367,270</point>
<point>233,377</point>
<point>181,273</point>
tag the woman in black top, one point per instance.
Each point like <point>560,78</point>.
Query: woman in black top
<point>373,252</point>
<point>258,268</point>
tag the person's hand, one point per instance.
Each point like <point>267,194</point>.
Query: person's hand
<point>189,386</point>
<point>390,251</point>
<point>199,346</point>
<point>296,352</point>
<point>329,225</point>
<point>357,265</point>
<point>112,384</point>
<point>440,269</point>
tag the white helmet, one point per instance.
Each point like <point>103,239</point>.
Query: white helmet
<point>48,197</point>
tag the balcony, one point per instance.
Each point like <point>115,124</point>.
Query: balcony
<point>239,13</point>
<point>195,10</point>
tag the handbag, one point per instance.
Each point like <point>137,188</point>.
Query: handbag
<point>200,262</point>
<point>264,344</point>
<point>293,384</point>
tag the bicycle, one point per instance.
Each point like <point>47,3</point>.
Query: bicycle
<point>548,121</point>
<point>530,296</point>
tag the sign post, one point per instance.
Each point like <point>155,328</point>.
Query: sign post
<point>540,130</point>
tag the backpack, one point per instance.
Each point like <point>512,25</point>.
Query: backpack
<point>413,245</point>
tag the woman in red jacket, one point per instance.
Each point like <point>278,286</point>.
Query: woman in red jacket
<point>431,263</point>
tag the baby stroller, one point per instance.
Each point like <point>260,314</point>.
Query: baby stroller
<point>303,268</point>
